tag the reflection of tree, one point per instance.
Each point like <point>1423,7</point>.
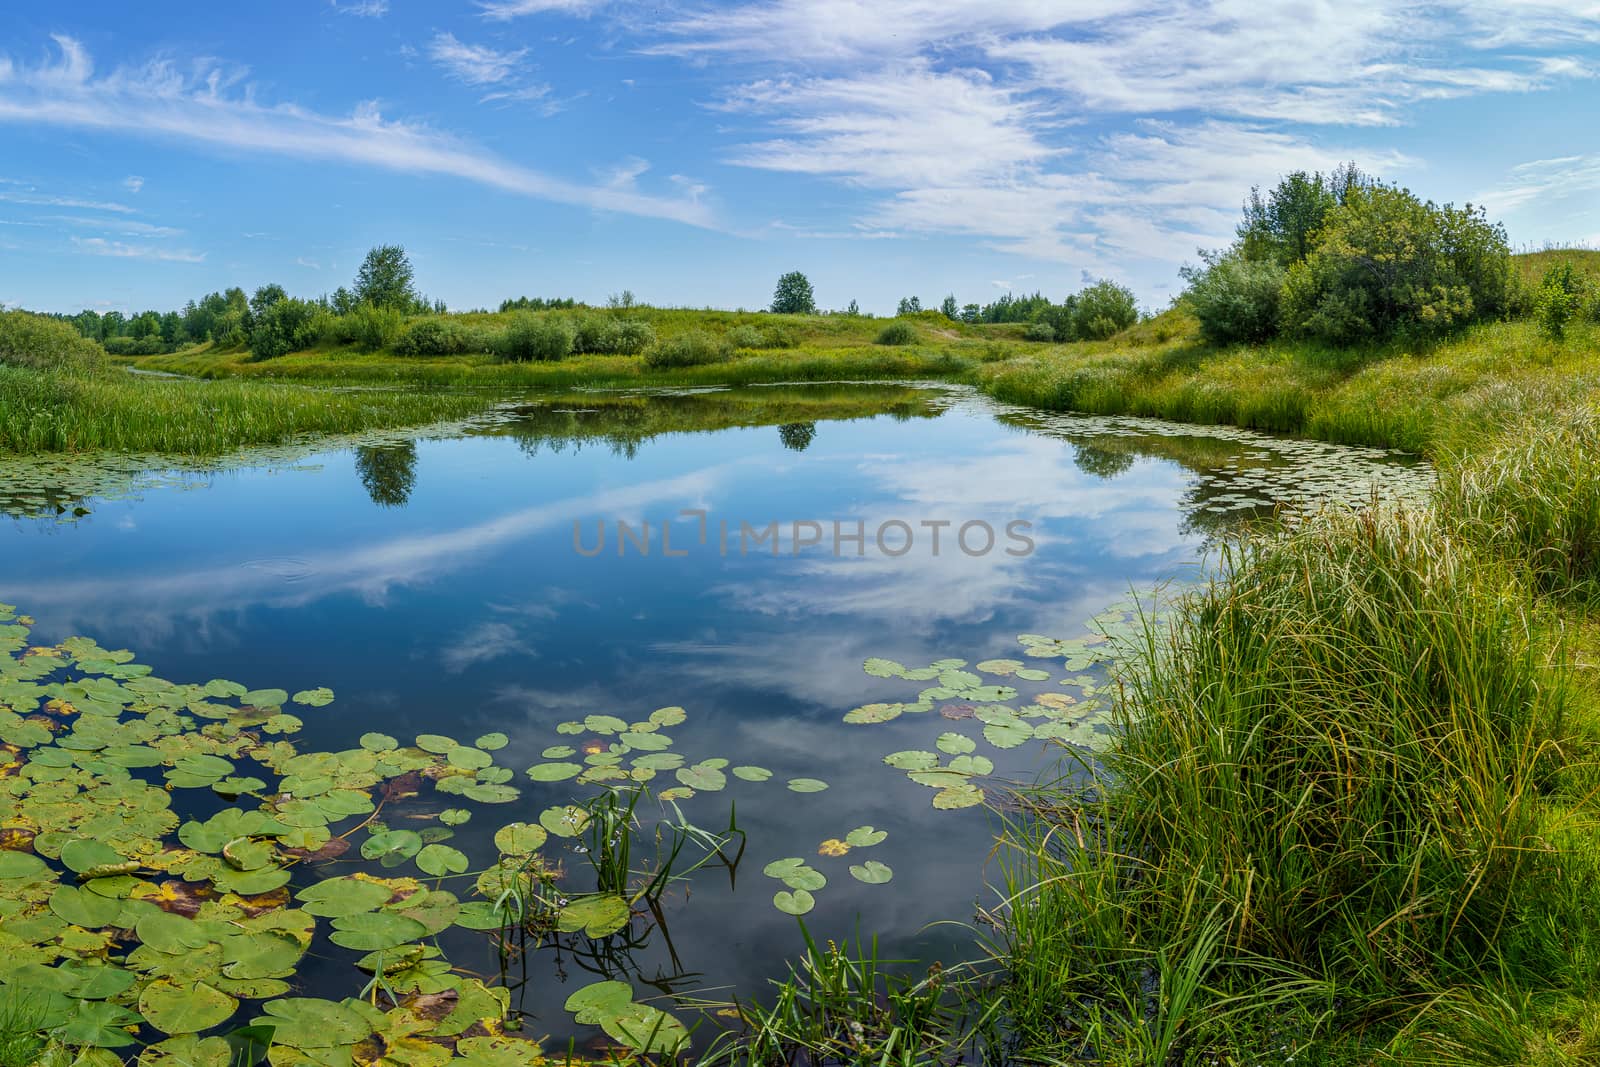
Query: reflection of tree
<point>389,472</point>
<point>797,436</point>
<point>1101,462</point>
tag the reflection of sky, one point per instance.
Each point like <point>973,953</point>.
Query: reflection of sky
<point>468,610</point>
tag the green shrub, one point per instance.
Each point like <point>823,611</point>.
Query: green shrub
<point>691,349</point>
<point>1103,309</point>
<point>284,326</point>
<point>749,335</point>
<point>1234,298</point>
<point>438,337</point>
<point>135,346</point>
<point>374,327</point>
<point>896,333</point>
<point>604,334</point>
<point>534,337</point>
<point>1039,331</point>
<point>1559,299</point>
<point>1387,264</point>
<point>29,340</point>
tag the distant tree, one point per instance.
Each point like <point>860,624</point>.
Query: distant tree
<point>794,296</point>
<point>145,324</point>
<point>172,329</point>
<point>971,313</point>
<point>88,324</point>
<point>282,326</point>
<point>264,298</point>
<point>622,300</point>
<point>112,324</point>
<point>909,305</point>
<point>852,308</point>
<point>385,279</point>
<point>951,309</point>
<point>1103,309</point>
<point>389,473</point>
<point>797,436</point>
<point>343,301</point>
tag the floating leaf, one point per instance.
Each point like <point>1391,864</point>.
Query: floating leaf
<point>807,785</point>
<point>795,873</point>
<point>752,774</point>
<point>558,752</point>
<point>1007,734</point>
<point>604,724</point>
<point>600,915</point>
<point>568,821</point>
<point>960,796</point>
<point>912,760</point>
<point>83,855</point>
<point>438,744</point>
<point>454,816</point>
<point>319,697</point>
<point>336,897</point>
<point>668,716</point>
<point>955,744</point>
<point>554,772</point>
<point>1001,667</point>
<point>308,1023</point>
<point>372,930</point>
<point>873,713</point>
<point>402,844</point>
<point>440,860</point>
<point>492,742</point>
<point>883,668</point>
<point>702,777</point>
<point>798,902</point>
<point>865,836</point>
<point>185,1009</point>
<point>375,742</point>
<point>520,838</point>
<point>871,872</point>
<point>265,698</point>
<point>974,765</point>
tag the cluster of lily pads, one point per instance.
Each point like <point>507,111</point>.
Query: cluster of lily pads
<point>128,926</point>
<point>1070,713</point>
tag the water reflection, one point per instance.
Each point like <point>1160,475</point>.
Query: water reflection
<point>389,472</point>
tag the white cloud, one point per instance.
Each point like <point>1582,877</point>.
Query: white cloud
<point>43,200</point>
<point>199,108</point>
<point>309,264</point>
<point>505,10</point>
<point>123,227</point>
<point>363,9</point>
<point>475,64</point>
<point>133,183</point>
<point>99,246</point>
<point>1543,180</point>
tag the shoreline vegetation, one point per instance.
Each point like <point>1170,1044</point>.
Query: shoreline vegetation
<point>1350,814</point>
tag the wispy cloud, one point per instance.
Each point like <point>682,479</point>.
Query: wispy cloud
<point>363,9</point>
<point>205,107</point>
<point>474,64</point>
<point>121,226</point>
<point>133,183</point>
<point>505,10</point>
<point>1545,179</point>
<point>44,200</point>
<point>99,246</point>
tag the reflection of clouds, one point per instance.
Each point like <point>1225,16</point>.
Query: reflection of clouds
<point>369,569</point>
<point>485,642</point>
<point>1022,477</point>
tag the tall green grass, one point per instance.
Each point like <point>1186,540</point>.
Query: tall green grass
<point>1325,808</point>
<point>42,411</point>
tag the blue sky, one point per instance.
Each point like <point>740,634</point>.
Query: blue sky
<point>152,152</point>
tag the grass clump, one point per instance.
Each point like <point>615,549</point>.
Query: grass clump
<point>896,333</point>
<point>532,337</point>
<point>28,340</point>
<point>371,327</point>
<point>692,349</point>
<point>1323,804</point>
<point>1534,497</point>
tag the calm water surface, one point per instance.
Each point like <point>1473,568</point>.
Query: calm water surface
<point>436,588</point>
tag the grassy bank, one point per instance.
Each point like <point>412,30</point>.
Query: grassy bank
<point>44,411</point>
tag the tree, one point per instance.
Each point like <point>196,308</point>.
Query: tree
<point>1235,298</point>
<point>951,309</point>
<point>794,296</point>
<point>343,301</point>
<point>1103,309</point>
<point>385,278</point>
<point>909,305</point>
<point>852,308</point>
<point>265,297</point>
<point>1283,225</point>
<point>971,313</point>
<point>1388,264</point>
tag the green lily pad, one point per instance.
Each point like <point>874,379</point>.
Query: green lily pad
<point>702,777</point>
<point>319,697</point>
<point>438,744</point>
<point>1008,733</point>
<point>376,742</point>
<point>492,742</point>
<point>309,1023</point>
<point>873,713</point>
<point>955,744</point>
<point>752,774</point>
<point>912,760</point>
<point>338,897</point>
<point>402,844</point>
<point>958,796</point>
<point>871,872</point>
<point>883,668</point>
<point>798,902</point>
<point>185,1009</point>
<point>807,785</point>
<point>600,915</point>
<point>373,930</point>
<point>520,838</point>
<point>865,836</point>
<point>668,716</point>
<point>568,821</point>
<point>554,772</point>
<point>440,860</point>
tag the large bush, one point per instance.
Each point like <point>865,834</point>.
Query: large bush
<point>750,335</point>
<point>29,340</point>
<point>1387,264</point>
<point>690,349</point>
<point>373,327</point>
<point>534,337</point>
<point>436,336</point>
<point>896,333</point>
<point>1103,309</point>
<point>604,334</point>
<point>1039,331</point>
<point>283,326</point>
<point>1234,298</point>
<point>1559,299</point>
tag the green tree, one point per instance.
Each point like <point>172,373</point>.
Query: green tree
<point>1103,309</point>
<point>852,308</point>
<point>909,305</point>
<point>1282,226</point>
<point>794,296</point>
<point>1235,298</point>
<point>1388,264</point>
<point>950,308</point>
<point>385,279</point>
<point>1558,299</point>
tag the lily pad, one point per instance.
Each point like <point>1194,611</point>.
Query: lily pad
<point>319,697</point>
<point>440,860</point>
<point>752,774</point>
<point>600,915</point>
<point>492,742</point>
<point>871,872</point>
<point>185,1009</point>
<point>798,902</point>
<point>865,836</point>
<point>807,785</point>
<point>554,772</point>
<point>955,744</point>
